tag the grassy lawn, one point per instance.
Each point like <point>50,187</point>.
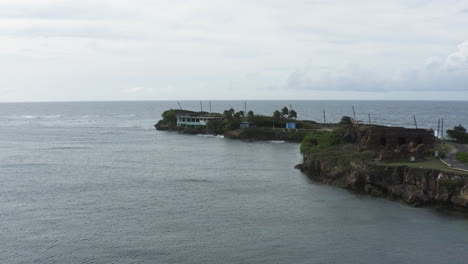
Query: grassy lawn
<point>427,164</point>
<point>462,156</point>
<point>445,148</point>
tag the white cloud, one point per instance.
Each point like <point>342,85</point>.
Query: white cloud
<point>449,74</point>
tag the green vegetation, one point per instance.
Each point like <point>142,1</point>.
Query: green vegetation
<point>434,164</point>
<point>340,155</point>
<point>284,113</point>
<point>277,115</point>
<point>268,121</point>
<point>231,120</point>
<point>170,116</point>
<point>458,134</point>
<point>451,185</point>
<point>346,120</point>
<point>462,156</point>
<point>316,140</point>
<point>442,148</point>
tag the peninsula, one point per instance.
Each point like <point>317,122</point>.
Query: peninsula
<point>394,162</point>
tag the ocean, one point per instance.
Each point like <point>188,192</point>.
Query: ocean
<point>94,182</point>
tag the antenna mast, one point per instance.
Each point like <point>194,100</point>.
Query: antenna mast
<point>324,120</point>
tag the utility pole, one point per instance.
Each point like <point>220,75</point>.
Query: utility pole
<point>369,119</point>
<point>210,106</point>
<point>245,107</point>
<point>201,106</point>
<point>415,124</point>
<point>442,129</point>
<point>324,120</point>
<point>354,113</point>
<point>438,129</point>
<point>179,105</point>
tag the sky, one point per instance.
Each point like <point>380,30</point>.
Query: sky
<point>99,50</point>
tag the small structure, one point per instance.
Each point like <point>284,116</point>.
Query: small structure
<point>358,122</point>
<point>244,124</point>
<point>395,137</point>
<point>187,120</point>
<point>291,125</point>
<point>397,142</point>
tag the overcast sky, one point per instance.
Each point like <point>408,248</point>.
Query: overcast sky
<point>57,50</point>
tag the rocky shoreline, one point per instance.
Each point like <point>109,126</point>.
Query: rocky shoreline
<point>413,186</point>
<point>250,134</point>
<point>364,159</point>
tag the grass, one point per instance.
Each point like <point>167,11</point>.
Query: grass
<point>462,156</point>
<point>434,164</point>
<point>451,185</point>
<point>340,154</point>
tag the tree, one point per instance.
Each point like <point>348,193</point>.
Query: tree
<point>458,133</point>
<point>276,115</point>
<point>284,111</point>
<point>250,114</point>
<point>228,114</point>
<point>241,114</point>
<point>292,114</point>
<point>459,128</point>
<point>346,120</point>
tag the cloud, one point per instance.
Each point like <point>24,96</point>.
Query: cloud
<point>99,49</point>
<point>449,74</point>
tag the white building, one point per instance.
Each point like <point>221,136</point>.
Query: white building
<point>194,121</point>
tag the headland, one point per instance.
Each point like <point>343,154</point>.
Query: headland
<point>393,162</point>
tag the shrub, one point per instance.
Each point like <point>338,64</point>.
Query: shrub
<point>232,125</point>
<point>346,120</point>
<point>265,121</point>
<point>462,156</point>
<point>451,185</point>
<point>458,133</point>
<point>170,116</point>
<point>322,139</point>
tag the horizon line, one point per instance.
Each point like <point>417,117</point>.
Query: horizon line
<point>205,100</point>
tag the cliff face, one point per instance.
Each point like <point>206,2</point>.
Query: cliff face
<point>414,186</point>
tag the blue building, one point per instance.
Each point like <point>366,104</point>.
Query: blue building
<point>291,125</point>
<point>244,124</point>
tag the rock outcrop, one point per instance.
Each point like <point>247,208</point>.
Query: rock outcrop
<point>414,186</point>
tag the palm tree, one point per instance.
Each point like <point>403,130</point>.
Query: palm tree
<point>241,114</point>
<point>284,111</point>
<point>227,114</point>
<point>276,115</point>
<point>292,114</point>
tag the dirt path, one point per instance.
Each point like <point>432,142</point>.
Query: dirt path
<point>451,156</point>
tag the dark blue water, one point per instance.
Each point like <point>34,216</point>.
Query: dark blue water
<point>95,183</point>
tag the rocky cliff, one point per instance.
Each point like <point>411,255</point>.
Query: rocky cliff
<point>414,186</point>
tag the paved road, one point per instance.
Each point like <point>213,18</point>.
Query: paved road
<point>451,158</point>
